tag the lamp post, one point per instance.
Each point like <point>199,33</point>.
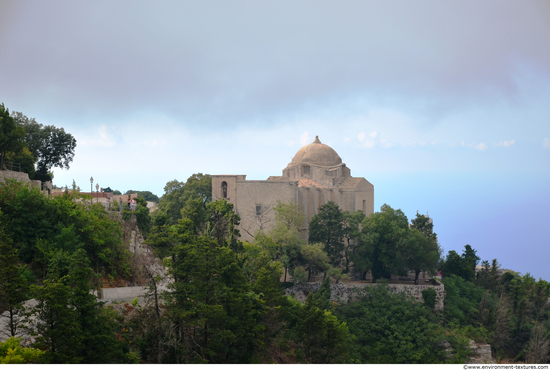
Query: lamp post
<point>97,193</point>
<point>91,188</point>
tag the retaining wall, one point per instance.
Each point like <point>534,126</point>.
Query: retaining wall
<point>346,292</point>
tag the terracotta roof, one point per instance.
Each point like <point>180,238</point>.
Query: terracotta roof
<point>350,183</point>
<point>274,178</point>
<point>307,183</point>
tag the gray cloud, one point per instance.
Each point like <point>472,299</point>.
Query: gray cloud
<point>204,61</point>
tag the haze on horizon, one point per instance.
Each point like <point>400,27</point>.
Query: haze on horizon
<point>443,106</point>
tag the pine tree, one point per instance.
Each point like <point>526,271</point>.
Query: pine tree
<point>13,287</point>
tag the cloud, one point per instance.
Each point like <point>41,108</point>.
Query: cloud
<point>305,139</point>
<point>506,143</point>
<point>101,139</point>
<point>346,139</point>
<point>373,134</point>
<point>480,146</point>
<point>546,144</point>
<point>361,136</point>
<point>369,144</point>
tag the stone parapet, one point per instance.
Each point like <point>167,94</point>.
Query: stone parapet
<point>345,293</point>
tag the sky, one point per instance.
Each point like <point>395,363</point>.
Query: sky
<point>443,106</point>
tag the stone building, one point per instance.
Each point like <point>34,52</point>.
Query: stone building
<point>315,176</point>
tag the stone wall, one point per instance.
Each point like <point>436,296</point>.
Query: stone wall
<point>346,292</point>
<point>19,176</point>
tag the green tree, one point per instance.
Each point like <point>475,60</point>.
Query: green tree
<point>145,194</point>
<point>289,215</point>
<point>50,146</point>
<point>392,329</point>
<point>322,338</point>
<point>56,328</point>
<point>382,243</point>
<point>176,195</point>
<point>13,286</point>
<point>11,352</point>
<point>99,344</point>
<point>222,222</point>
<point>210,303</point>
<point>422,253</point>
<point>463,266</point>
<point>352,230</point>
<point>327,227</point>
<point>11,135</point>
<point>314,259</point>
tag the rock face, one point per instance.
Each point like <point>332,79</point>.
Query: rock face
<point>19,176</point>
<point>482,353</point>
<point>346,292</point>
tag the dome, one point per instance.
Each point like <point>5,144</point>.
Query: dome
<point>318,154</point>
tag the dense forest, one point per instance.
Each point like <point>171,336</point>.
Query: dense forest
<point>225,301</point>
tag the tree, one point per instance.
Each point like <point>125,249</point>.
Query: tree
<point>538,347</point>
<point>352,230</point>
<point>222,222</point>
<point>176,195</point>
<point>146,195</point>
<point>314,258</point>
<point>57,328</point>
<point>11,352</point>
<point>209,302</point>
<point>382,243</point>
<point>327,227</point>
<point>392,329</point>
<point>289,215</point>
<point>99,344</point>
<point>13,286</point>
<point>11,135</point>
<point>463,266</point>
<point>422,253</point>
<point>50,146</point>
<point>322,338</point>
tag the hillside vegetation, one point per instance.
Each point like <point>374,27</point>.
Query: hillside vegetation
<point>225,300</point>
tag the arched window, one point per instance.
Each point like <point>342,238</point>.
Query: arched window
<point>224,189</point>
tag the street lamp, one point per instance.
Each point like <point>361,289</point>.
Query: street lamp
<point>91,188</point>
<point>97,193</point>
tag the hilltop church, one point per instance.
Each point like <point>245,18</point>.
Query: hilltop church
<point>315,177</point>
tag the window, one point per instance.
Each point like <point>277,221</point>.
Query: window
<point>258,210</point>
<point>306,170</point>
<point>224,189</point>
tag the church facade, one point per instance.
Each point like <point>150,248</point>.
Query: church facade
<point>315,177</point>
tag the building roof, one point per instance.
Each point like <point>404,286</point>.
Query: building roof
<point>307,183</point>
<point>350,183</point>
<point>318,154</point>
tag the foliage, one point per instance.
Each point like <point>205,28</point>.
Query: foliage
<point>210,294</point>
<point>13,285</point>
<point>289,215</point>
<point>463,266</point>
<point>176,195</point>
<point>11,352</point>
<point>145,194</point>
<point>390,328</point>
<point>57,328</point>
<point>50,146</point>
<point>382,243</point>
<point>327,227</point>
<point>11,135</point>
<point>462,299</point>
<point>352,230</point>
<point>43,228</point>
<point>143,219</point>
<point>429,295</point>
<point>322,338</point>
